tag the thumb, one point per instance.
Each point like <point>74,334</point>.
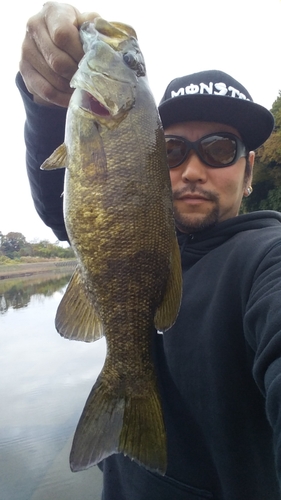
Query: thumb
<point>86,16</point>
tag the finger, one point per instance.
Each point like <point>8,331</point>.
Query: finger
<point>43,91</point>
<point>57,76</point>
<point>86,16</point>
<point>62,28</point>
<point>40,79</point>
<point>51,51</point>
<point>58,60</point>
<point>62,23</point>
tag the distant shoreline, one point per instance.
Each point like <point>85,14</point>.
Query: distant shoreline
<point>22,270</point>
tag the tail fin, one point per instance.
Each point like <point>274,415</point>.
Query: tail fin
<point>132,425</point>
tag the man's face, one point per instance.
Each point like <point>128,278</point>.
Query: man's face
<point>203,195</point>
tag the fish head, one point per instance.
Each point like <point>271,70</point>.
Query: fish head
<point>108,74</point>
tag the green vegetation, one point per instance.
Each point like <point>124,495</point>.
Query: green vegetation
<point>14,248</point>
<point>267,171</point>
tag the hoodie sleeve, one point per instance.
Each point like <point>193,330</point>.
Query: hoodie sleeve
<point>43,133</point>
<point>263,332</point>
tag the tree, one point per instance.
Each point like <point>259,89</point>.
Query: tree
<point>14,245</point>
<point>270,152</point>
<point>267,172</point>
<point>11,243</point>
<point>273,200</point>
<point>1,239</point>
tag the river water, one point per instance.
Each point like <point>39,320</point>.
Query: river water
<point>44,383</point>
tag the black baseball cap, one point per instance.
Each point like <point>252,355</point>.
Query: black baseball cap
<point>215,96</point>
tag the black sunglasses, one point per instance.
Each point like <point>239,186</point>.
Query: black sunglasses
<point>215,150</point>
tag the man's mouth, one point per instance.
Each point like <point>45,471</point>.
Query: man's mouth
<point>192,198</point>
<point>191,195</point>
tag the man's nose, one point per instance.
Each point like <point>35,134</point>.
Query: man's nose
<point>193,169</point>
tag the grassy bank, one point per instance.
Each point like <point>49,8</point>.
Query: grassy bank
<point>30,267</point>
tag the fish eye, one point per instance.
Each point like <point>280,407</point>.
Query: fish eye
<point>130,60</point>
<point>134,61</point>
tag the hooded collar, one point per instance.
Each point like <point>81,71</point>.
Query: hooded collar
<point>204,241</point>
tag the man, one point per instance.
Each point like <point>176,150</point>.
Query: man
<point>219,366</point>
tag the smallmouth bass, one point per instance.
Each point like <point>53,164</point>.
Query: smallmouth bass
<point>119,219</point>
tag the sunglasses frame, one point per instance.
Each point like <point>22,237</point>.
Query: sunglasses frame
<point>241,149</point>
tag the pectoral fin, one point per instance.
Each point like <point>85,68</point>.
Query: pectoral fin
<point>167,313</point>
<point>76,318</point>
<point>58,159</point>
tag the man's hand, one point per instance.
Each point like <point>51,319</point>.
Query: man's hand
<point>51,52</point>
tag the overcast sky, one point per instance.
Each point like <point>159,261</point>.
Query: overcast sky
<point>240,37</point>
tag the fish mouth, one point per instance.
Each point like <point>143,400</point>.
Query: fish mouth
<point>90,103</point>
<point>104,106</point>
<point>100,94</point>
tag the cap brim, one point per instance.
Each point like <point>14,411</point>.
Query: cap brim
<point>254,122</point>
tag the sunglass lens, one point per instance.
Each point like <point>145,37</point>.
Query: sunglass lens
<point>176,150</point>
<point>218,151</point>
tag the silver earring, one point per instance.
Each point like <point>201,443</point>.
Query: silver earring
<point>249,190</point>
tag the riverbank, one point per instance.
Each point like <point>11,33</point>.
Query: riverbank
<point>24,269</point>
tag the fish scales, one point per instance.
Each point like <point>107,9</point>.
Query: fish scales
<point>119,218</point>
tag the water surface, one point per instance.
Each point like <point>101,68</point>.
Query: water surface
<point>44,383</point>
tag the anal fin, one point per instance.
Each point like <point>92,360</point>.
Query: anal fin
<point>76,318</point>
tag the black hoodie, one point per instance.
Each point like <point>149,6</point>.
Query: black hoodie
<point>220,372</point>
<point>219,366</point>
